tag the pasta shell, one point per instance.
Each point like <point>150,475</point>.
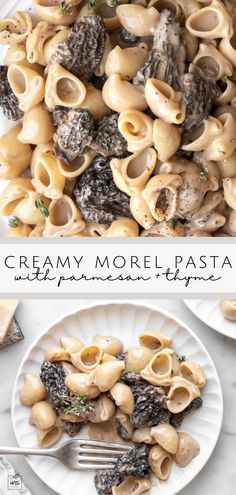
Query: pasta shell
<point>106,375</point>
<point>132,486</point>
<point>14,156</point>
<point>211,22</point>
<point>64,218</point>
<point>166,436</point>
<point>120,95</point>
<point>63,88</point>
<point>27,85</point>
<point>15,31</point>
<point>137,19</point>
<point>160,462</point>
<point>50,12</point>
<point>132,173</point>
<point>181,394</point>
<point>87,358</point>
<point>33,390</point>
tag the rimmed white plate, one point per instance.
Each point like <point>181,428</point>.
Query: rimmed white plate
<point>126,321</point>
<point>210,313</point>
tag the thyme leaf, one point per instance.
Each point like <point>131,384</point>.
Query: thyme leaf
<point>174,223</point>
<point>92,3</point>
<point>77,404</point>
<point>180,358</point>
<point>114,3</point>
<point>65,7</point>
<point>39,203</point>
<point>13,222</point>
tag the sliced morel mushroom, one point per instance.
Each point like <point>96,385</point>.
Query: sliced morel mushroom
<point>109,140</point>
<point>53,377</point>
<point>105,480</point>
<point>198,94</point>
<point>176,420</point>
<point>82,51</point>
<point>59,115</point>
<point>96,195</point>
<point>167,57</point>
<point>8,100</point>
<point>74,134</point>
<point>72,429</point>
<point>134,463</point>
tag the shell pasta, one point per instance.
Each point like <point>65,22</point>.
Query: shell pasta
<point>123,118</point>
<point>101,385</point>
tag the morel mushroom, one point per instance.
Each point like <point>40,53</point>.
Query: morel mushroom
<point>150,406</point>
<point>166,60</point>
<point>53,378</point>
<point>176,420</point>
<point>126,38</point>
<point>199,92</point>
<point>105,480</point>
<point>82,51</point>
<point>59,115</point>
<point>74,133</point>
<point>109,140</point>
<point>72,429</point>
<point>134,463</point>
<point>8,100</point>
<point>96,195</point>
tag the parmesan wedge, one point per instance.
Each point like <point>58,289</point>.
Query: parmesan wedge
<point>7,311</point>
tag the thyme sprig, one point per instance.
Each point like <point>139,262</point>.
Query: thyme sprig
<point>79,405</point>
<point>65,7</point>
<point>13,222</point>
<point>39,203</point>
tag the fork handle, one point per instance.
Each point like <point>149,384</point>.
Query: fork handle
<point>17,450</point>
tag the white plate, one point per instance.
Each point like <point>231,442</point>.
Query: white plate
<point>125,321</point>
<point>210,313</point>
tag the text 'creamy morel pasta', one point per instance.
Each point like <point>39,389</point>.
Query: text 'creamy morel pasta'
<point>125,118</point>
<point>138,395</point>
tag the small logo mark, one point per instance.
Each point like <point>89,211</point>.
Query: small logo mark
<point>14,482</point>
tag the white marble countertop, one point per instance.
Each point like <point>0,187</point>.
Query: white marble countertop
<point>219,475</point>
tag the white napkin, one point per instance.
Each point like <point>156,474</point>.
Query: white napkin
<point>10,482</point>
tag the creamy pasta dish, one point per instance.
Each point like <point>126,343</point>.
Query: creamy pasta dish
<point>139,395</point>
<point>124,118</point>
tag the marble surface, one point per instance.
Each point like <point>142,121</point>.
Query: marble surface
<point>218,476</point>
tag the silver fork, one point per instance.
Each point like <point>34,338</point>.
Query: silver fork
<point>78,454</point>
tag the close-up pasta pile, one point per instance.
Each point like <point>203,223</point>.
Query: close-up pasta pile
<point>140,395</point>
<point>124,119</point>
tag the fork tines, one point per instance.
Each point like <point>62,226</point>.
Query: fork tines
<point>99,455</point>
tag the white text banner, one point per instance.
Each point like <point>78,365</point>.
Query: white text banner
<point>117,268</point>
